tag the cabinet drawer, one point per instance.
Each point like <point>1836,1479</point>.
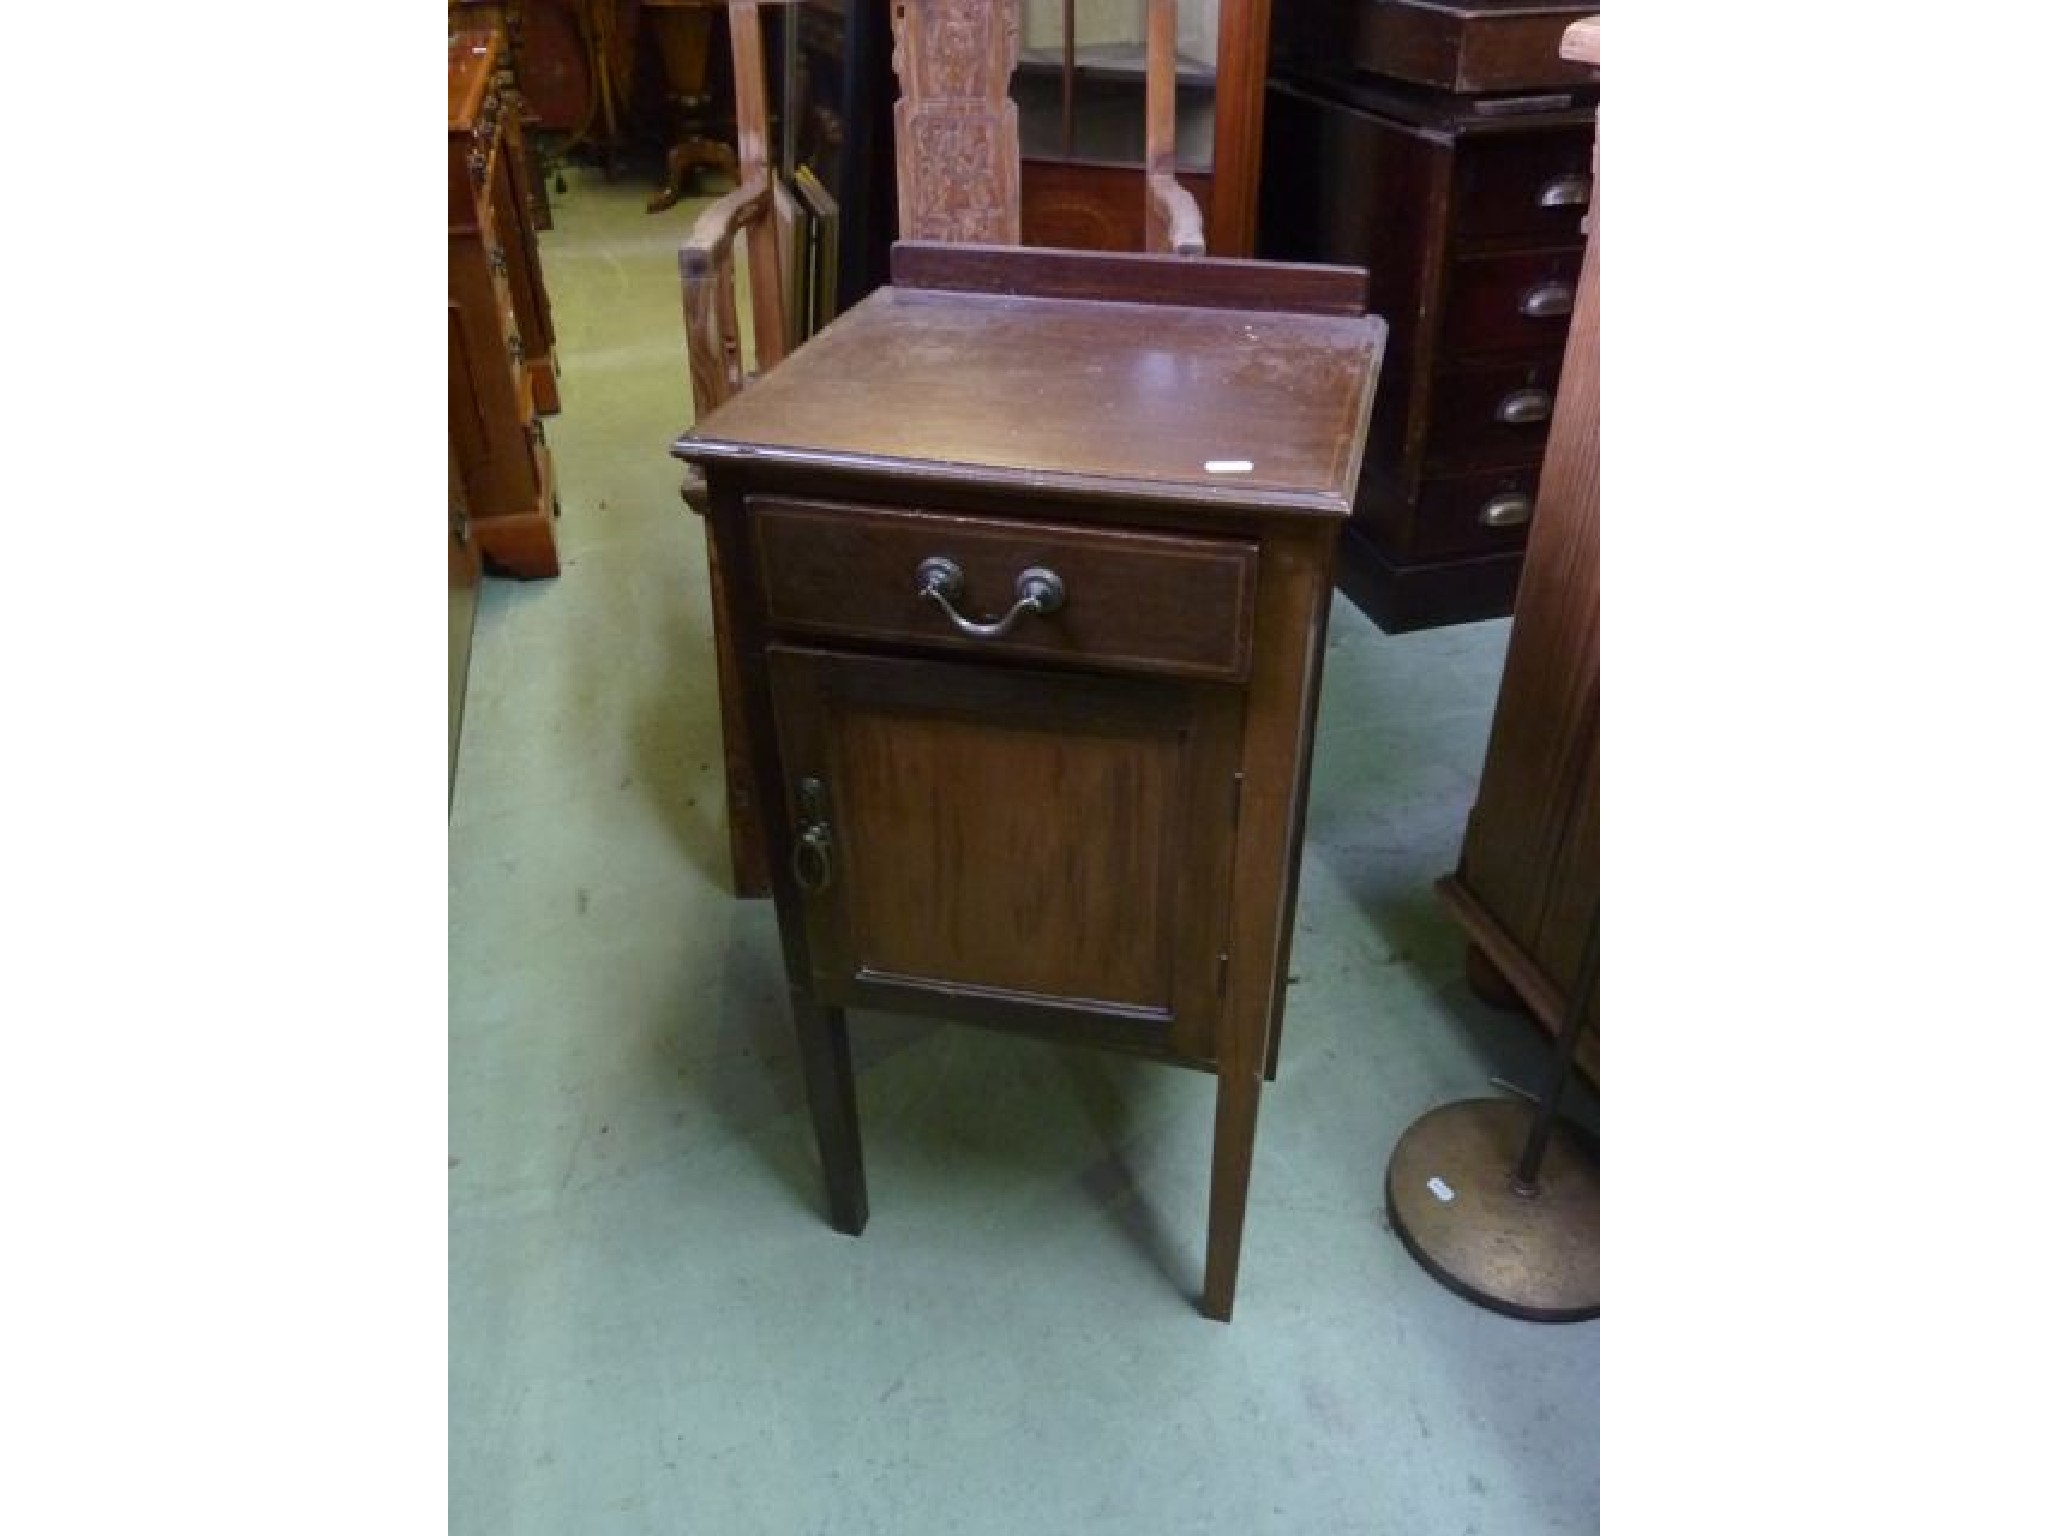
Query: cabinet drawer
<point>1537,185</point>
<point>1132,602</point>
<point>1491,414</point>
<point>1511,303</point>
<point>1485,513</point>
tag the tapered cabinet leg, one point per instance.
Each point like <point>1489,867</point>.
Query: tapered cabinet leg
<point>828,1084</point>
<point>1230,1174</point>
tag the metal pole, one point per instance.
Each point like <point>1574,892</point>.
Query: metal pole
<point>1524,1177</point>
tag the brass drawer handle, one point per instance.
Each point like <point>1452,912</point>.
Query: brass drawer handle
<point>811,860</point>
<point>1572,191</point>
<point>941,581</point>
<point>1547,300</point>
<point>1510,509</point>
<point>1523,407</point>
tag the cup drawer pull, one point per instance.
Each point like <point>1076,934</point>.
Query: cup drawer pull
<point>1510,509</point>
<point>1547,300</point>
<point>1523,407</point>
<point>1572,191</point>
<point>941,581</point>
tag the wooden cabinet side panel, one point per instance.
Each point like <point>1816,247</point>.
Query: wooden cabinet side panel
<point>1531,845</point>
<point>1241,50</point>
<point>1293,601</point>
<point>522,250</point>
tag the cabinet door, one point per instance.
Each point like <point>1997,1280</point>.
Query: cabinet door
<point>1049,850</point>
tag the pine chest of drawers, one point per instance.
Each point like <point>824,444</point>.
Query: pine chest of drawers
<point>1446,148</point>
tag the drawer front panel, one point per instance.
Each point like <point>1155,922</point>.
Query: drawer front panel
<point>1536,185</point>
<point>1476,514</point>
<point>1521,302</point>
<point>1492,414</point>
<point>1132,602</point>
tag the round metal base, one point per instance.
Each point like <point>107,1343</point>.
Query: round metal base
<point>1450,1196</point>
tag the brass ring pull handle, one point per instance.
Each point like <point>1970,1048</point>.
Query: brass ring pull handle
<point>941,581</point>
<point>1547,300</point>
<point>811,859</point>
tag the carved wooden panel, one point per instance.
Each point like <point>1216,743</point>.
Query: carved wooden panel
<point>956,127</point>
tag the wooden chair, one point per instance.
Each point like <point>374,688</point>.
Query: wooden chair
<point>718,372</point>
<point>958,173</point>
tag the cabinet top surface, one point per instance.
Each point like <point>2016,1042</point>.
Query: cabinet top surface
<point>1260,410</point>
<point>472,56</point>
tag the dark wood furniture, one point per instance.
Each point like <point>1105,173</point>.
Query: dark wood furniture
<point>529,69</point>
<point>1447,147</point>
<point>1527,884</point>
<point>1028,561</point>
<point>501,367</point>
<point>682,33</point>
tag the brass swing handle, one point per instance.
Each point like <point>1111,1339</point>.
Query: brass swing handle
<point>941,581</point>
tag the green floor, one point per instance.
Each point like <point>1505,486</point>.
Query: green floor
<point>651,1328</point>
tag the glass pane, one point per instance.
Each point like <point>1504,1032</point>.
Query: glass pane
<point>1080,84</point>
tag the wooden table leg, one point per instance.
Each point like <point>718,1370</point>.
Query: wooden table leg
<point>681,30</point>
<point>1230,1175</point>
<point>835,1117</point>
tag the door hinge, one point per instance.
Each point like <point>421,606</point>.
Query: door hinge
<point>1236,797</point>
<point>1222,972</point>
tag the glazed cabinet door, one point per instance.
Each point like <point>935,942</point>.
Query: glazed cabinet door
<point>1050,849</point>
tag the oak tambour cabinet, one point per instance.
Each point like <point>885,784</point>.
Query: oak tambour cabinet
<point>1028,559</point>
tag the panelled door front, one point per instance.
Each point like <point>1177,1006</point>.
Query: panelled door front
<point>1043,844</point>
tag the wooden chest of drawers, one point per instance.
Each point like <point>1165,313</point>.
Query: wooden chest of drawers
<point>501,369</point>
<point>1439,147</point>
